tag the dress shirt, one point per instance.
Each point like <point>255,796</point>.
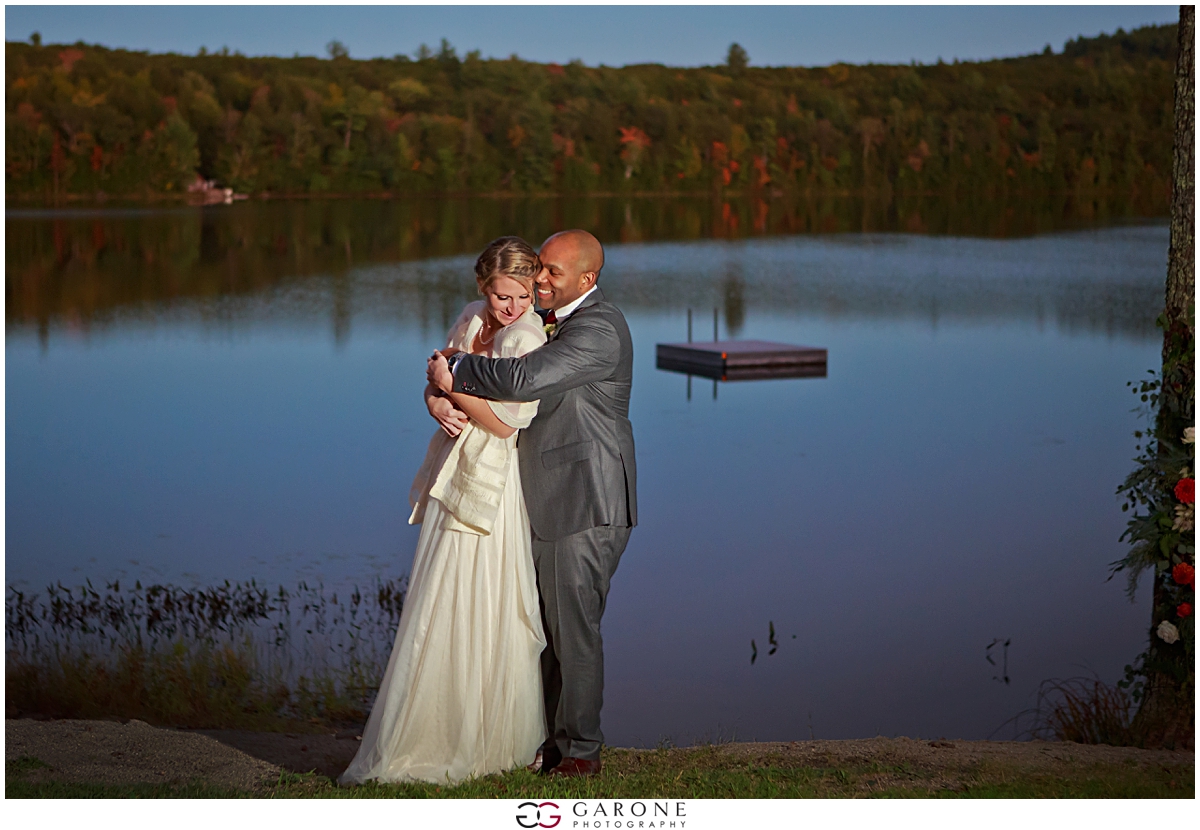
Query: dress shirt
<point>569,309</point>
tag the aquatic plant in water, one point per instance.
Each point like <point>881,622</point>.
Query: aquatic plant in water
<point>206,656</point>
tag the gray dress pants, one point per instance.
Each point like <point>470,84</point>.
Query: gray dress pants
<point>573,574</point>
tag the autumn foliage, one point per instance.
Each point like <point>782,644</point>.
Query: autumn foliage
<point>82,120</point>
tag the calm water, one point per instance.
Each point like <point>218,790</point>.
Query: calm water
<point>196,396</point>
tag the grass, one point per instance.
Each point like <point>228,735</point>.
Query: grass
<point>1086,711</point>
<point>704,772</point>
<point>20,766</point>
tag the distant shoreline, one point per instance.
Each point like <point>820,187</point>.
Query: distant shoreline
<point>178,200</point>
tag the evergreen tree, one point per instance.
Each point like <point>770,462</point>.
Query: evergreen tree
<point>737,59</point>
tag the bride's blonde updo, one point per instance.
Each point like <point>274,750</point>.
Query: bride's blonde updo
<point>508,256</point>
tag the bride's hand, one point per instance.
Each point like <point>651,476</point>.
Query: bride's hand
<point>438,372</point>
<point>449,417</point>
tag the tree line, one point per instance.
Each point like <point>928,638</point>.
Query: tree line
<point>83,121</point>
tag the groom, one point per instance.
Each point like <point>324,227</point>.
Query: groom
<point>579,477</point>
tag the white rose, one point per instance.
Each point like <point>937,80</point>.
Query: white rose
<point>1167,632</point>
<point>1189,435</point>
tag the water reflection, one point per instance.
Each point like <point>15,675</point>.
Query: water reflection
<point>85,268</point>
<point>841,277</point>
<point>818,370</point>
<point>734,301</point>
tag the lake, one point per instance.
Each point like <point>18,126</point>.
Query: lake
<point>196,395</point>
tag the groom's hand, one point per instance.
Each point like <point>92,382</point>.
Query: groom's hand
<point>449,418</point>
<point>438,372</point>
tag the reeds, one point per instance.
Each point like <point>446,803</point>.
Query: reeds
<point>1083,710</point>
<point>234,654</point>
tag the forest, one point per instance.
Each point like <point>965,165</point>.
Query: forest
<point>88,122</point>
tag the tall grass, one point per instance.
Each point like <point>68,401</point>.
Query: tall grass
<point>231,655</point>
<point>1083,710</point>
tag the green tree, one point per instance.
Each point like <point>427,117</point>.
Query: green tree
<point>175,154</point>
<point>737,59</point>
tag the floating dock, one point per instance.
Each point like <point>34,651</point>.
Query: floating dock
<point>742,360</point>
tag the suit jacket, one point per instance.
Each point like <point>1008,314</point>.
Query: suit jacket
<point>577,463</point>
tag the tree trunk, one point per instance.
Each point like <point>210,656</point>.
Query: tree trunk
<point>1167,715</point>
<point>1181,264</point>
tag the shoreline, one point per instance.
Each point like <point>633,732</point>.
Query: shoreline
<point>71,758</point>
<point>165,199</point>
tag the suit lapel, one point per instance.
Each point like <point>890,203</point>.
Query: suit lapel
<point>596,296</point>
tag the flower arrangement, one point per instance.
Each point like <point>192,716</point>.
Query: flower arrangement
<point>1162,493</point>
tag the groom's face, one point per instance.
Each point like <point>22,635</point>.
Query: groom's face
<point>560,282</point>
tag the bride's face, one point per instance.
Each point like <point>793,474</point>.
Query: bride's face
<point>507,300</point>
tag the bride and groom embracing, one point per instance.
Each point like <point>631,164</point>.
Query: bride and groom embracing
<point>498,658</point>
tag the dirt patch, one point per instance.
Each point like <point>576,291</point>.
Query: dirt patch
<point>108,752</point>
<point>324,754</point>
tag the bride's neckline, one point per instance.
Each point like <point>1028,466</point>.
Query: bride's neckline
<point>489,343</point>
<point>485,345</point>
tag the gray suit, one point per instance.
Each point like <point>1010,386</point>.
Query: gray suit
<point>580,480</point>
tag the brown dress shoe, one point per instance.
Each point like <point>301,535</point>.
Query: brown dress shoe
<point>575,768</point>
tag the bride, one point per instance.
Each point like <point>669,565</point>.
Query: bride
<point>462,694</point>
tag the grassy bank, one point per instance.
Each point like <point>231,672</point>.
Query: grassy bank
<point>729,771</point>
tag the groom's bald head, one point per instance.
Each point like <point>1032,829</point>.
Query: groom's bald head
<point>571,263</point>
<point>586,250</point>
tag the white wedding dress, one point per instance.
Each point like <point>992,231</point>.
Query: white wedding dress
<point>462,693</point>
